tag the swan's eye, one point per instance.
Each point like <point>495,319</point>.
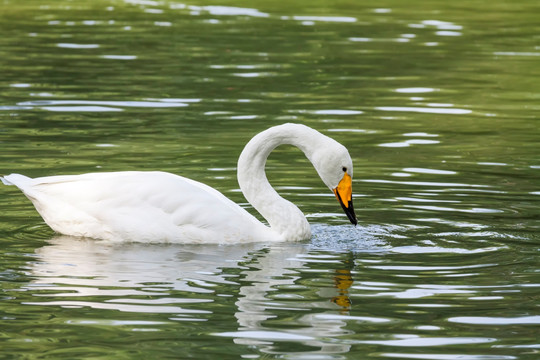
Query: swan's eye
<point>344,169</point>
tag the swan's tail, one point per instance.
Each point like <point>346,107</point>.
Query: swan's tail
<point>15,179</point>
<point>4,180</point>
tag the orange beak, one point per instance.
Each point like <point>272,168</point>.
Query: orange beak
<point>343,193</point>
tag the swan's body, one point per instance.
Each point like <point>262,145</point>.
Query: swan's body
<point>162,207</point>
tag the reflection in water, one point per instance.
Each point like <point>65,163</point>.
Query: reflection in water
<point>324,297</point>
<point>276,272</point>
<point>343,281</point>
<point>170,279</point>
<point>75,261</point>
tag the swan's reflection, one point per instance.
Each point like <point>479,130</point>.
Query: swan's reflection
<point>72,268</point>
<point>267,280</point>
<point>314,310</point>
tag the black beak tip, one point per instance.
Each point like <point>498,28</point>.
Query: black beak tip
<point>352,218</point>
<point>349,211</point>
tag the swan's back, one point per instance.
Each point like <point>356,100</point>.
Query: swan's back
<point>140,206</point>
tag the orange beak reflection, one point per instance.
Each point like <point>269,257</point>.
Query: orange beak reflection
<point>343,193</point>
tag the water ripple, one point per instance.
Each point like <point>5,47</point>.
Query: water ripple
<point>95,106</point>
<point>415,249</point>
<point>119,307</point>
<point>473,210</point>
<point>487,320</point>
<point>459,356</point>
<point>119,57</point>
<point>415,90</point>
<point>424,183</point>
<point>420,341</point>
<point>266,335</point>
<point>427,110</point>
<point>429,171</point>
<point>344,19</point>
<point>77,46</point>
<point>151,104</point>
<point>228,11</point>
<point>410,142</point>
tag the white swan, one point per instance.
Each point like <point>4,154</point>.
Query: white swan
<point>162,207</point>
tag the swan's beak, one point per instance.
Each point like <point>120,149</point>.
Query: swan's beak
<point>343,193</point>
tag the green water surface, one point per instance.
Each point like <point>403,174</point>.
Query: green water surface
<point>436,101</point>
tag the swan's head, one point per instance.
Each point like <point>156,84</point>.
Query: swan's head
<point>334,165</point>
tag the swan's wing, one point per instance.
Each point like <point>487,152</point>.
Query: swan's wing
<point>133,205</point>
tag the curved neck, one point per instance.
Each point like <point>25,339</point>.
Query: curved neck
<point>283,216</point>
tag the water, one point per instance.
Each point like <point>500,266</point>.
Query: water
<point>437,104</point>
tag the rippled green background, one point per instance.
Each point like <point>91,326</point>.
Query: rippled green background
<point>437,102</point>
